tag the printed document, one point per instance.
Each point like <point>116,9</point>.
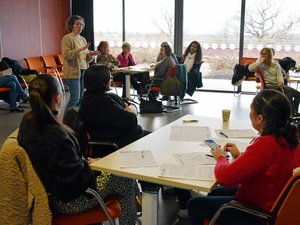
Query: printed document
<point>130,159</point>
<point>194,158</point>
<point>203,172</point>
<point>189,133</point>
<point>237,133</point>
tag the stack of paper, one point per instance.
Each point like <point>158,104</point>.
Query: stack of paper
<point>189,133</point>
<point>187,172</point>
<point>194,158</point>
<point>136,159</point>
<point>237,133</point>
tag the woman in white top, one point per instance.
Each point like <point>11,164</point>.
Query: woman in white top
<point>192,57</point>
<point>273,77</point>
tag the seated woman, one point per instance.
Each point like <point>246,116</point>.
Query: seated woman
<point>261,172</point>
<point>192,57</point>
<point>15,89</point>
<point>273,77</point>
<point>106,115</point>
<point>160,57</point>
<point>54,153</point>
<point>125,58</point>
<point>111,62</point>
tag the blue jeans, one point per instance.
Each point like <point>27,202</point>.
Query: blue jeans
<point>201,208</point>
<point>76,90</point>
<point>15,89</point>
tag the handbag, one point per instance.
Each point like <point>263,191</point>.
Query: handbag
<point>171,86</point>
<point>151,106</point>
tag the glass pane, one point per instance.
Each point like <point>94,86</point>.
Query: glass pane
<point>108,24</point>
<point>274,24</point>
<point>148,24</point>
<point>215,25</point>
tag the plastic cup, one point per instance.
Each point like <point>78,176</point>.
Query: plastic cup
<point>226,114</point>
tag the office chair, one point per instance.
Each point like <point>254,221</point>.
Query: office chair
<point>283,212</point>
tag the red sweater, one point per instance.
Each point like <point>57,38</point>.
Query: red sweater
<point>261,171</point>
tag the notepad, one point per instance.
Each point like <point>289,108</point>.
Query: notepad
<point>238,133</point>
<point>130,159</point>
<point>203,172</point>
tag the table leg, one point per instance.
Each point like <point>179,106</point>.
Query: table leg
<point>127,85</point>
<point>149,208</point>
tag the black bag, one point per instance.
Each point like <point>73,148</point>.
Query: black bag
<point>287,63</point>
<point>151,106</point>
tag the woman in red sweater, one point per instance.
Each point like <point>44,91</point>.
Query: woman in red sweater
<point>257,176</point>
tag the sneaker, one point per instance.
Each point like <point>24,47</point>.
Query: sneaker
<point>183,213</point>
<point>17,109</point>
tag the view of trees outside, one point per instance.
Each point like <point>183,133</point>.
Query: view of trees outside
<point>215,24</point>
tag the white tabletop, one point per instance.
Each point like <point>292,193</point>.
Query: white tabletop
<point>162,149</point>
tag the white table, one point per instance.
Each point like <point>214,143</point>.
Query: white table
<point>162,149</point>
<point>294,77</point>
<point>141,68</point>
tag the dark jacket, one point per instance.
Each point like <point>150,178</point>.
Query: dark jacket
<point>105,118</point>
<point>54,155</point>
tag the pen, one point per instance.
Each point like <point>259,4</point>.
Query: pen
<point>209,155</point>
<point>223,134</point>
<point>189,121</point>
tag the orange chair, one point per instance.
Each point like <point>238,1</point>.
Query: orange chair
<point>23,196</point>
<point>107,210</point>
<point>51,67</point>
<point>284,211</point>
<point>36,63</point>
<point>59,62</point>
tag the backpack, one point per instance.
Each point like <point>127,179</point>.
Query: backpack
<point>287,63</point>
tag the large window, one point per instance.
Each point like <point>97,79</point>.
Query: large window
<point>108,23</point>
<point>148,24</point>
<point>215,25</point>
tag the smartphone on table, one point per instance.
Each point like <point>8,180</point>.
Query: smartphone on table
<point>213,145</point>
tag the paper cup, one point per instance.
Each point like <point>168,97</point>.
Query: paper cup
<point>226,114</point>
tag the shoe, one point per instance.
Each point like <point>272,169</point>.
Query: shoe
<point>183,213</point>
<point>16,110</point>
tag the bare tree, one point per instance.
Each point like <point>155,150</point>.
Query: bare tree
<point>263,21</point>
<point>165,24</point>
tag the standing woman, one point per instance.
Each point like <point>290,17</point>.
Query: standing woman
<point>192,57</point>
<point>76,58</point>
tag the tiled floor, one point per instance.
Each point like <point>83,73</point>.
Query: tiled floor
<point>210,104</point>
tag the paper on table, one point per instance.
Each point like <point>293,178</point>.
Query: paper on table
<point>194,158</point>
<point>203,172</point>
<point>189,133</point>
<point>130,159</point>
<point>238,133</point>
<point>6,72</point>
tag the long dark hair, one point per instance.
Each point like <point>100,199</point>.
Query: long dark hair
<point>198,56</point>
<point>42,91</point>
<point>276,110</point>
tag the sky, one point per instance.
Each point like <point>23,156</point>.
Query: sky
<point>200,16</point>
